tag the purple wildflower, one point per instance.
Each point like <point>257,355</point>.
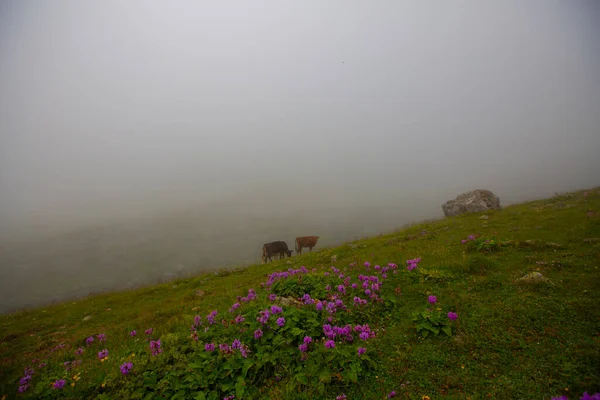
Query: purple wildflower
<point>239,319</point>
<point>367,264</point>
<point>272,296</point>
<point>276,309</point>
<point>361,351</point>
<point>391,394</point>
<point>23,388</point>
<point>89,340</point>
<point>587,396</point>
<point>303,348</point>
<point>364,335</point>
<point>101,337</point>
<point>307,339</point>
<point>463,241</point>
<point>281,321</point>
<point>211,317</point>
<point>234,307</point>
<point>79,351</point>
<point>452,316</point>
<point>155,347</point>
<point>432,299</point>
<point>330,344</point>
<point>209,347</point>
<point>236,344</point>
<point>341,397</point>
<point>59,384</point>
<point>319,305</point>
<point>132,333</point>
<point>126,367</point>
<point>471,237</point>
<point>103,354</point>
<point>258,334</point>
<point>244,350</point>
<point>149,331</point>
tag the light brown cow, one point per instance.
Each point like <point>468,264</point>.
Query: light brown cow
<point>306,241</point>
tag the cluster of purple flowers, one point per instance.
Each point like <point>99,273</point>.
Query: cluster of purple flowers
<point>391,394</point>
<point>232,397</point>
<point>197,321</point>
<point>251,296</point>
<point>59,384</point>
<point>89,340</point>
<point>126,368</point>
<point>359,301</point>
<point>149,331</point>
<point>306,299</point>
<point>275,276</point>
<point>329,344</point>
<point>155,347</point>
<point>258,334</point>
<point>24,382</point>
<point>103,354</point>
<point>101,337</point>
<point>133,333</point>
<point>585,396</point>
<point>469,238</point>
<point>234,307</point>
<point>452,316</point>
<point>272,297</point>
<point>276,310</point>
<point>211,317</point>
<point>72,364</point>
<point>209,347</point>
<point>59,346</point>
<point>263,316</point>
<point>364,331</point>
<point>79,351</point>
<point>304,346</point>
<point>432,299</point>
<point>239,319</point>
<point>281,321</point>
<point>412,264</point>
<point>361,351</point>
<point>341,397</point>
<point>345,332</point>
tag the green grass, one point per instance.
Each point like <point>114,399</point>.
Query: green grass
<point>510,341</point>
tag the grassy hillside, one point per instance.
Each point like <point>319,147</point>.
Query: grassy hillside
<point>511,340</point>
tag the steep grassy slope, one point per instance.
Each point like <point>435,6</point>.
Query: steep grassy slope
<point>510,340</point>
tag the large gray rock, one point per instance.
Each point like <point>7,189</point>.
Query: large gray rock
<point>475,201</point>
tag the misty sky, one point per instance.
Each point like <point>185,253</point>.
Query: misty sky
<point>108,107</point>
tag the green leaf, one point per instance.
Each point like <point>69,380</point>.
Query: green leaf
<point>247,365</point>
<point>240,388</point>
<point>302,378</point>
<point>425,333</point>
<point>321,389</point>
<point>353,376</point>
<point>297,331</point>
<point>325,376</point>
<point>447,330</point>
<point>200,396</point>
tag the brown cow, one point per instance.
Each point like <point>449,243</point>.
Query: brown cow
<point>306,241</point>
<point>274,248</point>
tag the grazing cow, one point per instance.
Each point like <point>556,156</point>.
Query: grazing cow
<point>274,248</point>
<point>306,241</point>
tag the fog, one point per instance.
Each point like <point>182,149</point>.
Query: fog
<point>145,139</point>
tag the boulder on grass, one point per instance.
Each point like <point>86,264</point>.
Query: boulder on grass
<point>475,201</point>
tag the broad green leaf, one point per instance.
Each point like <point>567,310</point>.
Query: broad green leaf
<point>302,378</point>
<point>447,330</point>
<point>200,396</point>
<point>240,388</point>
